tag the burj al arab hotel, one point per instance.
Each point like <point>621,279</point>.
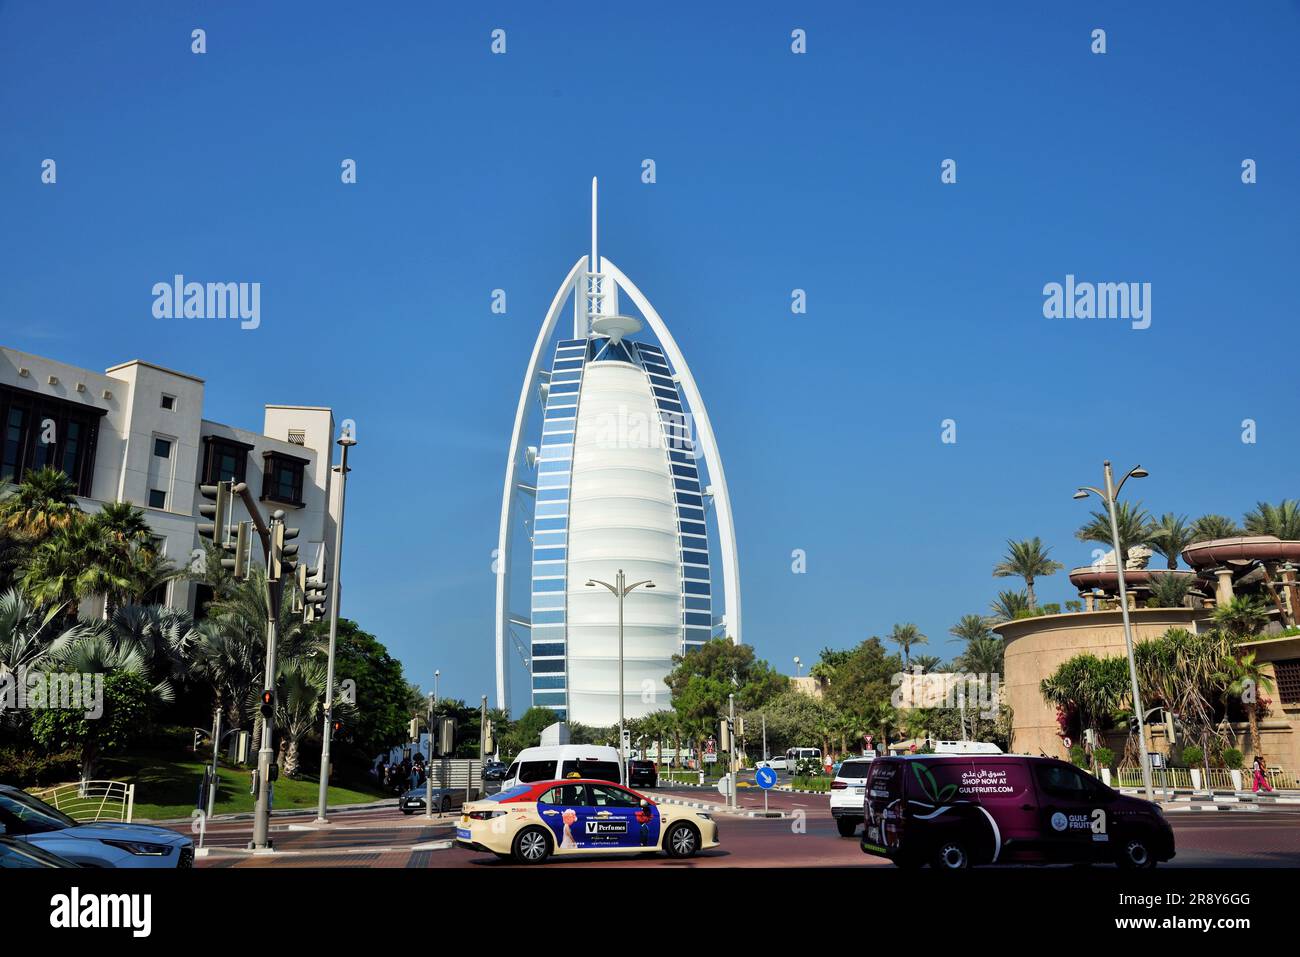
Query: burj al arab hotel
<point>619,471</point>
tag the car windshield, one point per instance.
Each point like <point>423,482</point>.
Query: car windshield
<point>854,769</point>
<point>596,770</point>
<point>509,793</point>
<point>20,813</point>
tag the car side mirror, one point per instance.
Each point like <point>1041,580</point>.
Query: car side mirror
<point>645,803</point>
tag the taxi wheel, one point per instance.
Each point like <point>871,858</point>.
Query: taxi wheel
<point>531,846</point>
<point>951,856</point>
<point>682,840</point>
<point>1134,855</point>
<point>407,810</point>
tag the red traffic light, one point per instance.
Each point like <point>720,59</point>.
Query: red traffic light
<point>267,697</point>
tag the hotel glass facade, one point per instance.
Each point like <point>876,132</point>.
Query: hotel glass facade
<point>618,486</point>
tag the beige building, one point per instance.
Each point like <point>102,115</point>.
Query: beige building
<point>136,433</point>
<point>1261,565</point>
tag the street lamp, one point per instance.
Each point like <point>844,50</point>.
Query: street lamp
<point>1110,496</point>
<point>620,590</point>
<point>345,442</point>
<point>798,666</point>
<point>428,770</point>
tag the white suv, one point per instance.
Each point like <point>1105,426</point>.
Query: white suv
<point>849,794</point>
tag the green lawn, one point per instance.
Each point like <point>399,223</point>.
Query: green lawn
<point>167,787</point>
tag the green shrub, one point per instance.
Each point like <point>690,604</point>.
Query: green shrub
<point>1105,757</point>
<point>1233,759</point>
<point>33,769</point>
<point>1193,756</point>
<point>1078,756</point>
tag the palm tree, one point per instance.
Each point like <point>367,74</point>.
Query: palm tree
<point>1244,678</point>
<point>1134,523</point>
<point>1242,617</point>
<point>1210,527</point>
<point>300,693</point>
<point>1170,591</point>
<point>927,663</point>
<point>124,523</point>
<point>243,612</point>
<point>164,638</point>
<point>906,636</point>
<point>225,660</point>
<point>1281,520</point>
<point>29,633</point>
<point>75,561</point>
<point>983,656</point>
<point>44,500</point>
<point>96,653</point>
<point>1169,536</point>
<point>146,571</point>
<point>881,718</point>
<point>971,628</point>
<point>1010,605</point>
<point>1027,559</point>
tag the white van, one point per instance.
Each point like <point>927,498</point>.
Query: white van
<point>554,763</point>
<point>966,747</point>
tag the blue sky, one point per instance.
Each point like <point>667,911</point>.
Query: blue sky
<point>775,171</point>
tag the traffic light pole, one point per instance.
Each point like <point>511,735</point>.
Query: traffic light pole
<point>346,442</point>
<point>265,755</point>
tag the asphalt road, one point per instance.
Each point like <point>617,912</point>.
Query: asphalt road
<point>807,837</point>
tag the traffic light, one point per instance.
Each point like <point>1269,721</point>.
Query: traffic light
<point>267,704</point>
<point>218,513</point>
<point>336,725</point>
<point>489,744</point>
<point>284,557</point>
<point>237,565</point>
<point>413,729</point>
<point>314,601</point>
<point>740,728</point>
<point>446,736</point>
<point>724,737</point>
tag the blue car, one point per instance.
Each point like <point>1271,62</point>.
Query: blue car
<point>93,843</point>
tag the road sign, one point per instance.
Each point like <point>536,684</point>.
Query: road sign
<point>1066,741</point>
<point>765,777</point>
<point>1156,758</point>
<point>710,757</point>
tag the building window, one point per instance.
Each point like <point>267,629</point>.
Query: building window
<point>1288,680</point>
<point>297,438</point>
<point>224,460</point>
<point>168,402</point>
<point>157,498</point>
<point>282,478</point>
<point>162,448</point>
<point>37,431</point>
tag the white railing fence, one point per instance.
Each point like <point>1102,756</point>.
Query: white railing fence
<point>92,800</point>
<point>1220,779</point>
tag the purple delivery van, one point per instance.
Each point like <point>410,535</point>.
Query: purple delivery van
<point>954,811</point>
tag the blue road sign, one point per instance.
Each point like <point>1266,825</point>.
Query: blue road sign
<point>765,777</point>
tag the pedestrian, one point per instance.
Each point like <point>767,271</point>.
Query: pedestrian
<point>1259,779</point>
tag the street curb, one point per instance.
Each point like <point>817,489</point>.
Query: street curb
<point>1210,807</point>
<point>285,812</point>
<point>722,809</point>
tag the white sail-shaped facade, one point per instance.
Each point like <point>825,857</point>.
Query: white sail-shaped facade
<point>613,484</point>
